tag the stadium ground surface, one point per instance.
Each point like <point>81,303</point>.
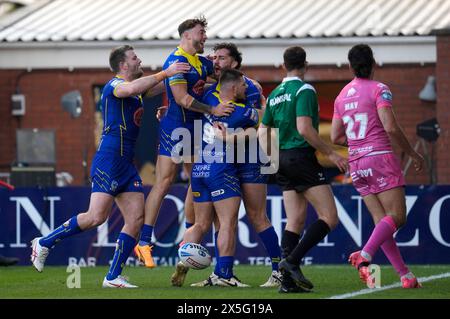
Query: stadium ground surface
<point>331,281</point>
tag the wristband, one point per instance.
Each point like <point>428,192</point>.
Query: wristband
<point>160,76</point>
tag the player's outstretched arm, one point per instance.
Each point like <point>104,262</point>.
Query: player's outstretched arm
<point>142,85</point>
<point>397,136</point>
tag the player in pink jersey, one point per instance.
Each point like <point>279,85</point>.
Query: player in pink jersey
<point>364,120</point>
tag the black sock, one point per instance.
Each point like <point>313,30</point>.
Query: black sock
<point>314,234</point>
<point>288,242</point>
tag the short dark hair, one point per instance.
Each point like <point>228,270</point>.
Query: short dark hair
<point>229,75</point>
<point>361,60</point>
<point>294,58</point>
<point>191,23</point>
<point>232,49</point>
<point>117,55</point>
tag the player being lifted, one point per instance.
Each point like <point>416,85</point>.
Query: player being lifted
<point>184,92</point>
<point>364,120</point>
<point>114,177</point>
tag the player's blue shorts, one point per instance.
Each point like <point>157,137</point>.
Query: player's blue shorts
<point>250,173</point>
<point>113,174</point>
<point>179,145</point>
<point>214,182</point>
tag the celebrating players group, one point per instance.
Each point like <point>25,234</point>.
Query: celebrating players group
<point>228,137</point>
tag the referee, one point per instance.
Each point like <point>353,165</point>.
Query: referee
<point>293,109</point>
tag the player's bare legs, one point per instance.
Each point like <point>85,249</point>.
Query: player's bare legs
<point>131,205</point>
<point>254,196</point>
<point>388,210</point>
<point>227,213</point>
<point>204,214</point>
<point>189,200</point>
<point>166,171</point>
<point>99,209</point>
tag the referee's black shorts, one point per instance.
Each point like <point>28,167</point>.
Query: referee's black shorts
<point>299,170</point>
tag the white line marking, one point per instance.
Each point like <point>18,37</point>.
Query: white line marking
<point>396,285</point>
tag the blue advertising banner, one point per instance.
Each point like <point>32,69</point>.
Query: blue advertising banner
<point>30,212</point>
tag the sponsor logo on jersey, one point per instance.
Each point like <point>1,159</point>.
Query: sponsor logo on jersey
<point>280,99</point>
<point>218,192</point>
<point>365,172</point>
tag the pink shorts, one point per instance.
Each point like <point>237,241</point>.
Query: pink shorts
<point>373,174</point>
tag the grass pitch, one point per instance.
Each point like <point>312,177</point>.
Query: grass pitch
<point>331,280</point>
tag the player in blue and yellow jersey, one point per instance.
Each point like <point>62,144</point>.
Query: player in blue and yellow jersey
<point>114,177</point>
<point>215,181</point>
<point>184,92</point>
<point>252,182</point>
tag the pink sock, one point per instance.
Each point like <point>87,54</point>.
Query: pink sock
<point>392,252</point>
<point>384,230</point>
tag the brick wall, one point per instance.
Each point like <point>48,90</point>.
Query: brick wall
<point>443,106</point>
<point>43,90</point>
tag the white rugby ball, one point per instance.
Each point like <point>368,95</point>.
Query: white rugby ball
<point>194,256</point>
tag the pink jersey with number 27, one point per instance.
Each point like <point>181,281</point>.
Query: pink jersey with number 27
<point>357,106</point>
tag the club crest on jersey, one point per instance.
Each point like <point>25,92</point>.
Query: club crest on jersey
<point>198,88</point>
<point>137,116</point>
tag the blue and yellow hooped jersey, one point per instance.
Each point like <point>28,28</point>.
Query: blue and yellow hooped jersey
<point>195,80</point>
<point>252,94</point>
<point>121,120</point>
